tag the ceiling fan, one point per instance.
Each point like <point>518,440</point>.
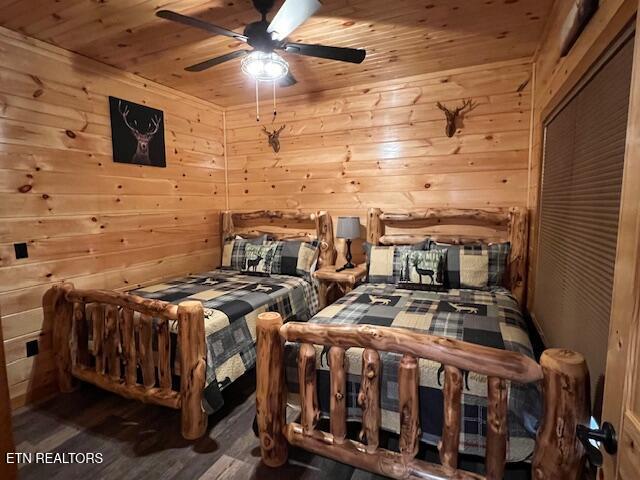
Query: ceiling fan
<point>262,62</point>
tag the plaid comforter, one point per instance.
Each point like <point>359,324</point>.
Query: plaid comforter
<point>232,302</point>
<point>490,318</point>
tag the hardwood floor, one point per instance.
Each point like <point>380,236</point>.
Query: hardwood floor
<point>143,441</point>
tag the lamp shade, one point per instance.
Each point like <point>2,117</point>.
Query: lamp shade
<point>348,227</point>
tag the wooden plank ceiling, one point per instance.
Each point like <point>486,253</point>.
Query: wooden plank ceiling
<point>402,38</point>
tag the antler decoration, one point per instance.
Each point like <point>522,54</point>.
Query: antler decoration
<point>453,115</point>
<point>154,124</point>
<point>141,155</point>
<point>274,137</point>
<point>124,112</point>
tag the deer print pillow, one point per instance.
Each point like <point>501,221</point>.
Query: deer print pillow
<point>423,269</point>
<point>383,262</point>
<point>233,251</point>
<point>257,259</point>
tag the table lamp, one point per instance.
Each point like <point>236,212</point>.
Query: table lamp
<point>349,229</point>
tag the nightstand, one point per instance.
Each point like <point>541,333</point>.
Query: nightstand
<point>334,285</point>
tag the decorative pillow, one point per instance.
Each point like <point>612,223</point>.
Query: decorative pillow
<point>294,257</point>
<point>475,266</point>
<point>423,269</point>
<point>258,259</point>
<point>384,263</point>
<point>233,251</point>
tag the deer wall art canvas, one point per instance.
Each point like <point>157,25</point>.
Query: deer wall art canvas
<point>137,133</point>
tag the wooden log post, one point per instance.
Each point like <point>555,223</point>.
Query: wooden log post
<point>97,320</point>
<point>375,227</point>
<point>270,389</point>
<point>129,346</point>
<point>369,399</point>
<point>145,349</point>
<point>307,380</point>
<point>59,312</point>
<point>338,401</point>
<point>517,266</point>
<point>566,404</point>
<point>112,341</point>
<point>81,334</point>
<point>452,417</point>
<point>193,365</point>
<point>227,227</point>
<point>408,381</point>
<point>323,294</point>
<point>496,451</point>
<point>324,227</point>
<point>164,354</point>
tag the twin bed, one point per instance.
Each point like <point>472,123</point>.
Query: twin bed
<point>455,367</point>
<point>181,342</point>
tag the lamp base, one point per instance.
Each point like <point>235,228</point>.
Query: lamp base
<point>346,266</point>
<point>348,257</point>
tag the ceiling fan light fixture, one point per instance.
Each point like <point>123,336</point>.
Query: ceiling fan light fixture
<point>265,66</point>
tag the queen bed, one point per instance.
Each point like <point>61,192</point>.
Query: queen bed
<point>181,342</point>
<point>451,367</point>
<point>488,318</point>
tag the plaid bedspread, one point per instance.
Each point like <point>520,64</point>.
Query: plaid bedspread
<point>490,318</point>
<point>232,302</point>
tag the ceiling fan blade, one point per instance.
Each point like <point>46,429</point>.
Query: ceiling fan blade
<point>198,67</point>
<point>288,80</point>
<point>201,24</point>
<point>291,15</point>
<point>352,55</point>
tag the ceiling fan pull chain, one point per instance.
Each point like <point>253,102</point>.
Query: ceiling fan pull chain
<point>257,103</point>
<point>275,110</point>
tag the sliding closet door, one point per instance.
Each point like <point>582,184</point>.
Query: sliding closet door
<point>579,209</point>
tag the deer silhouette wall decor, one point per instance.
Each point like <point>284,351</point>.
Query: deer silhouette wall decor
<point>274,137</point>
<point>137,133</point>
<point>453,115</point>
<point>141,155</point>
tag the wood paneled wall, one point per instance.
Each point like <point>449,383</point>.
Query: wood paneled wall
<point>84,218</point>
<point>384,145</point>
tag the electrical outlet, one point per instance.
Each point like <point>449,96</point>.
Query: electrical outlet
<point>21,250</point>
<point>32,348</point>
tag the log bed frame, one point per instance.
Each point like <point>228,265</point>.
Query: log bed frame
<point>123,327</point>
<point>563,375</point>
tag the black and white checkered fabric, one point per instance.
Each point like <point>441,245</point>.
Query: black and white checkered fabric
<point>232,303</point>
<point>490,318</point>
<point>475,266</point>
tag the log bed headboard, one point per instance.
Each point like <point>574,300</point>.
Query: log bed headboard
<point>484,225</point>
<point>283,225</point>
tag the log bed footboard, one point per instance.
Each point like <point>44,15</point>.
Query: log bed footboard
<point>122,342</point>
<point>565,386</point>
